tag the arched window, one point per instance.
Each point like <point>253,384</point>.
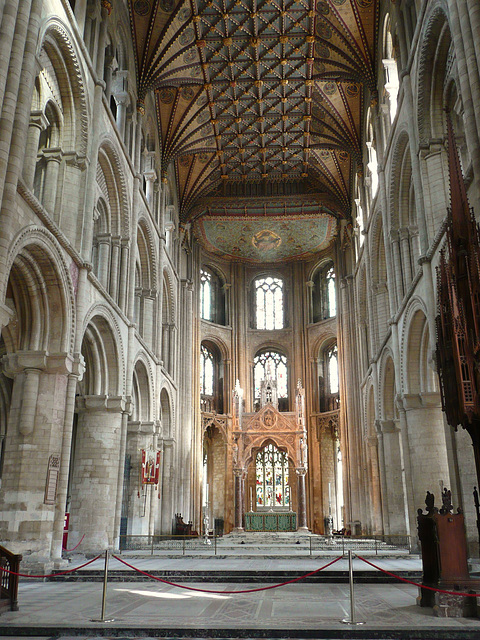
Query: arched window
<point>332,365</point>
<point>211,379</point>
<point>206,371</point>
<point>273,365</point>
<point>212,297</point>
<point>390,69</point>
<point>328,384</point>
<point>269,303</point>
<point>273,490</point>
<point>324,304</point>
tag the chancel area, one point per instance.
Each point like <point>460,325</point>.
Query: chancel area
<point>238,268</point>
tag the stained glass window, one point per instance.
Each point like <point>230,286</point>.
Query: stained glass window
<point>205,295</point>
<point>272,478</point>
<point>206,371</point>
<point>271,364</point>
<point>269,303</point>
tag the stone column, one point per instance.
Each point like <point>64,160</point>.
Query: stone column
<point>114,271</point>
<point>31,490</point>
<point>53,158</point>
<point>302,499</point>
<point>122,296</point>
<point>394,241</point>
<point>38,122</point>
<point>168,486</point>
<point>104,241</point>
<point>376,506</point>
<point>122,101</point>
<point>404,237</point>
<point>238,501</point>
<point>428,447</point>
<point>95,472</point>
<point>150,177</point>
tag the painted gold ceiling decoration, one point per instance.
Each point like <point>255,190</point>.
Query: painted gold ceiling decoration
<point>258,98</point>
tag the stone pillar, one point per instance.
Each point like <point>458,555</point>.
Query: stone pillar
<point>376,506</point>
<point>104,241</point>
<point>150,177</point>
<point>404,236</point>
<point>114,264</point>
<point>122,296</point>
<point>394,493</point>
<point>238,501</point>
<point>427,444</point>
<point>53,158</point>
<point>38,122</point>
<point>302,499</point>
<point>397,260</point>
<point>168,486</point>
<point>95,472</point>
<point>34,468</point>
<point>122,101</point>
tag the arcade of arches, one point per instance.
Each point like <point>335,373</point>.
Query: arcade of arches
<point>219,231</point>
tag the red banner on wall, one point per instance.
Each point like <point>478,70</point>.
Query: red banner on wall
<point>150,467</point>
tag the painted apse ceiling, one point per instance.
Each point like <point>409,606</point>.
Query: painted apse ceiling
<point>259,106</point>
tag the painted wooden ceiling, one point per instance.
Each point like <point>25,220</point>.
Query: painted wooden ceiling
<point>258,98</point>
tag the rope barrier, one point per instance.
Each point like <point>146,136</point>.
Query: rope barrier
<point>77,545</point>
<point>416,584</point>
<point>182,586</point>
<point>50,575</point>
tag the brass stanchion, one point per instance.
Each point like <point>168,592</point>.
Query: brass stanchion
<point>352,619</point>
<point>104,594</point>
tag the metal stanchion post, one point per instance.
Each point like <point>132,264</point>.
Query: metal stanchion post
<point>310,539</point>
<point>215,540</point>
<point>352,619</point>
<point>183,545</point>
<point>104,594</point>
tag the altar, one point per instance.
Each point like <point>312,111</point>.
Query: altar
<point>268,521</point>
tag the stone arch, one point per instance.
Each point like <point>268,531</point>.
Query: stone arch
<point>147,253</point>
<point>112,184</point>
<point>103,351</point>
<point>56,42</point>
<point>142,391</point>
<point>167,414</point>
<point>433,63</point>
<point>168,309</point>
<point>387,390</point>
<point>414,359</point>
<point>40,292</point>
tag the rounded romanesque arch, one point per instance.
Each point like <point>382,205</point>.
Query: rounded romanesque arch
<point>40,294</point>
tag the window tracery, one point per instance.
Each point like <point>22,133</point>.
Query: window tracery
<point>272,488</point>
<point>271,365</point>
<point>269,307</point>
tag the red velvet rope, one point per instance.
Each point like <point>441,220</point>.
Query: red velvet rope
<point>77,545</point>
<point>50,575</point>
<point>416,584</point>
<point>181,586</point>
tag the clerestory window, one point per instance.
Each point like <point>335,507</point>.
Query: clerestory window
<point>269,307</point>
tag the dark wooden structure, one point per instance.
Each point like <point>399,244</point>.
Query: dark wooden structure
<point>445,566</point>
<point>183,528</point>
<point>8,582</point>
<point>458,319</point>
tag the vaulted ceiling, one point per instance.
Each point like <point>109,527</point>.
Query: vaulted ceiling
<point>259,106</point>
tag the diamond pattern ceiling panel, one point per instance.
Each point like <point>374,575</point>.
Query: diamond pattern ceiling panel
<point>258,97</point>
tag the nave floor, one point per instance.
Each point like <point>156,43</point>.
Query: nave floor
<point>148,608</point>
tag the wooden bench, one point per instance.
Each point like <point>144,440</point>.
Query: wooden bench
<point>8,582</point>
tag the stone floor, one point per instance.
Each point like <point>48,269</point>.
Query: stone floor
<point>150,608</point>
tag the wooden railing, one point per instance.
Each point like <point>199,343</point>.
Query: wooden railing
<point>9,582</point>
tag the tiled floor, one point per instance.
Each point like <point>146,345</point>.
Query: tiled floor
<point>153,605</point>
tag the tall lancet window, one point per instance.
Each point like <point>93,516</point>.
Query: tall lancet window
<point>205,295</point>
<point>269,303</point>
<point>332,303</point>
<point>271,365</point>
<point>332,362</point>
<point>206,371</point>
<point>272,478</point>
